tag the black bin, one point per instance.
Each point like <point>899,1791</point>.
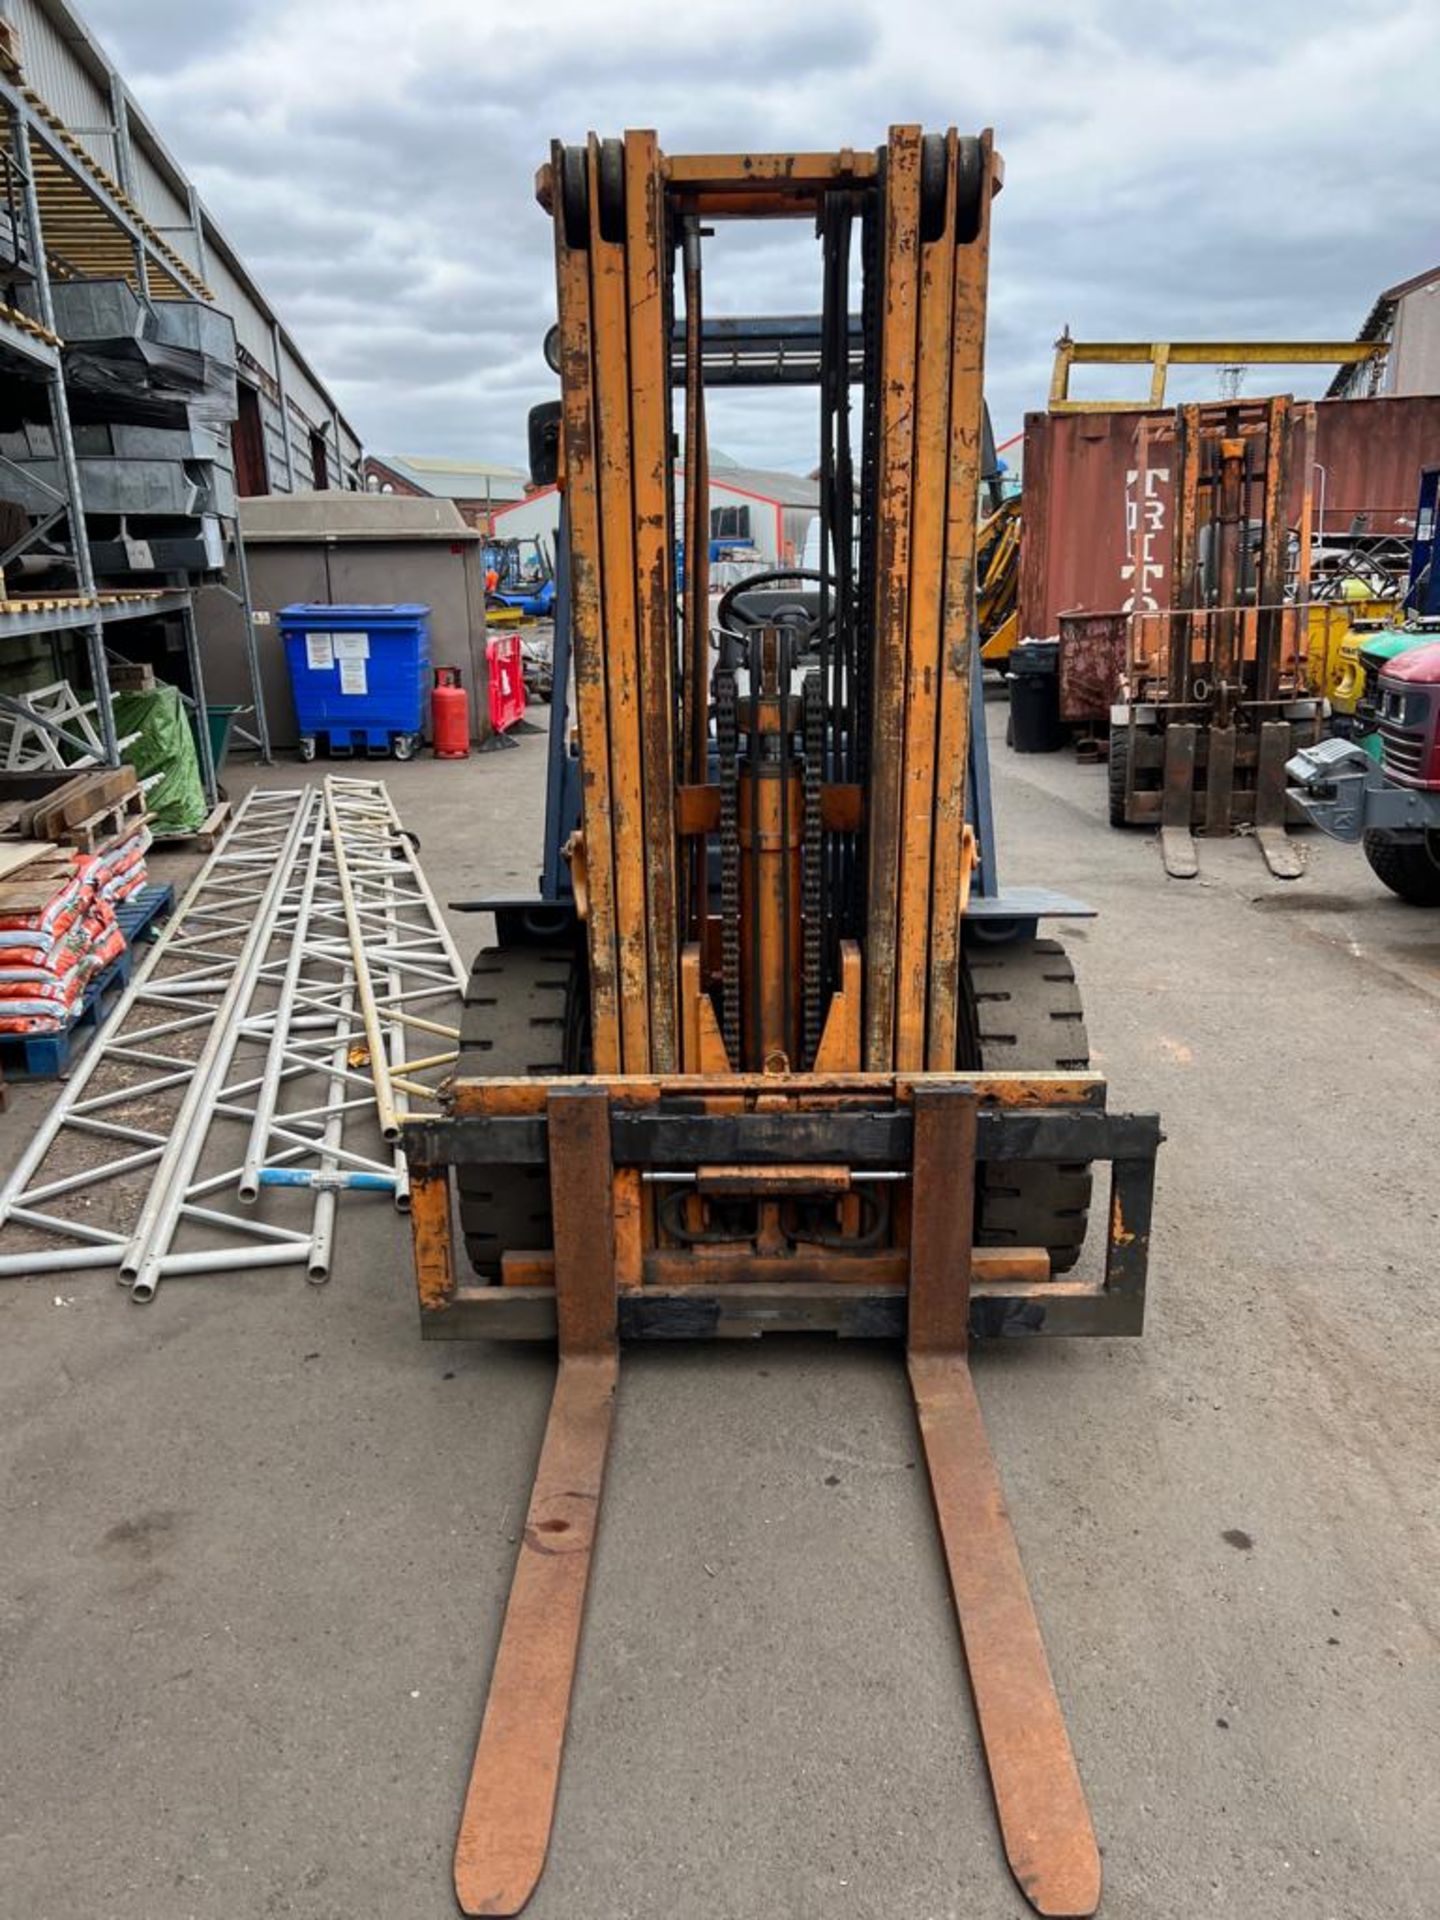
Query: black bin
<point>1035,723</point>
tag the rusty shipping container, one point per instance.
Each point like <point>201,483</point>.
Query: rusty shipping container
<point>1088,545</point>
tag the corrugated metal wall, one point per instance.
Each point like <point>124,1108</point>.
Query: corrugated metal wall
<point>538,516</point>
<point>64,85</point>
<point>275,458</point>
<point>1414,365</point>
<point>163,207</point>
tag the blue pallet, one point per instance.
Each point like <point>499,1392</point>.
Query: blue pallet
<point>321,643</point>
<point>46,1056</point>
<point>143,909</point>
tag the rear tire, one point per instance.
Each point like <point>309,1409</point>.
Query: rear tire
<point>1023,1015</point>
<point>1117,772</point>
<point>519,1019</point>
<point>1409,868</point>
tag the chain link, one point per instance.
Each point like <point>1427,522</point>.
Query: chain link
<point>727,742</point>
<point>812,895</point>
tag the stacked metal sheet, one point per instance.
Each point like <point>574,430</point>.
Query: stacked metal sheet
<point>152,394</point>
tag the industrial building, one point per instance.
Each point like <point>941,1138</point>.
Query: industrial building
<point>749,506</point>
<point>148,384</point>
<point>1406,319</point>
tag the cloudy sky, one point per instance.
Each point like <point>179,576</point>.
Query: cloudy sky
<point>1173,170</point>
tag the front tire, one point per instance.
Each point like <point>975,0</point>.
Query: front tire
<point>1117,774</point>
<point>1022,1014</point>
<point>522,1016</point>
<point>1409,868</point>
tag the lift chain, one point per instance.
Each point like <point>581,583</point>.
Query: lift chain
<point>812,900</point>
<point>728,748</point>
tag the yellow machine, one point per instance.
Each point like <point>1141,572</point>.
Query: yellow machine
<point>997,583</point>
<point>1335,633</point>
<point>775,1053</point>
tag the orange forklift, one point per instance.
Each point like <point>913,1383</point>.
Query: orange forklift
<point>771,1050</point>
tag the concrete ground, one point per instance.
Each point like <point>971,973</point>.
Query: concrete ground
<point>257,1537</point>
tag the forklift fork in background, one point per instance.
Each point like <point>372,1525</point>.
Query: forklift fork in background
<point>1180,800</point>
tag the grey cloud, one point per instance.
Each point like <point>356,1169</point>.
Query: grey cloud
<point>1172,172</point>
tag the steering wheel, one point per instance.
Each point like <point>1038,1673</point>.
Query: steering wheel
<point>811,630</point>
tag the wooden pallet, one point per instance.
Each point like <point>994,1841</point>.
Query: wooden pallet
<point>46,1056</point>
<point>205,836</point>
<point>108,825</point>
<point>55,806</point>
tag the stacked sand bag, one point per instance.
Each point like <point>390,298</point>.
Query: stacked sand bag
<point>49,957</point>
<point>122,867</point>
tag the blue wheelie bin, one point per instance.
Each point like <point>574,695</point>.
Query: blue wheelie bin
<point>360,676</point>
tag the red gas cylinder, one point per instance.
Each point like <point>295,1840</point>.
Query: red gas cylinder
<point>450,715</point>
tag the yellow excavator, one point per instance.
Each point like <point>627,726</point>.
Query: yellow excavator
<point>771,1049</point>
<point>997,583</point>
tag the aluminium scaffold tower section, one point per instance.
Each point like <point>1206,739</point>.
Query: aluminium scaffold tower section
<point>229,1103</point>
<point>405,957</point>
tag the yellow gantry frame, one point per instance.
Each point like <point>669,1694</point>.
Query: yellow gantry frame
<point>1161,355</point>
<point>615,361</point>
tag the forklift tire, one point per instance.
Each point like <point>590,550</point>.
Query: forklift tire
<point>514,1023</point>
<point>1022,1014</point>
<point>1409,868</point>
<point>1117,769</point>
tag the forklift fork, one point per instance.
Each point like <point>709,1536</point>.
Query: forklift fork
<point>1178,800</point>
<point>1282,856</point>
<point>510,1803</point>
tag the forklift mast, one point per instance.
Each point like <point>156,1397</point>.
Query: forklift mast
<point>745,1080</point>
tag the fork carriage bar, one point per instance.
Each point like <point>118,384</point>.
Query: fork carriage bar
<point>863,1127</point>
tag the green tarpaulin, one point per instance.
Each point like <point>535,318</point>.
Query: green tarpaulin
<point>165,744</point>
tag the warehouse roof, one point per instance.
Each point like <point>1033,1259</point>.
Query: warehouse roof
<point>785,489</point>
<point>330,514</point>
<point>456,479</point>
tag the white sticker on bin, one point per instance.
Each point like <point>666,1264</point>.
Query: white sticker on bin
<point>352,676</point>
<point>352,646</point>
<point>319,653</point>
